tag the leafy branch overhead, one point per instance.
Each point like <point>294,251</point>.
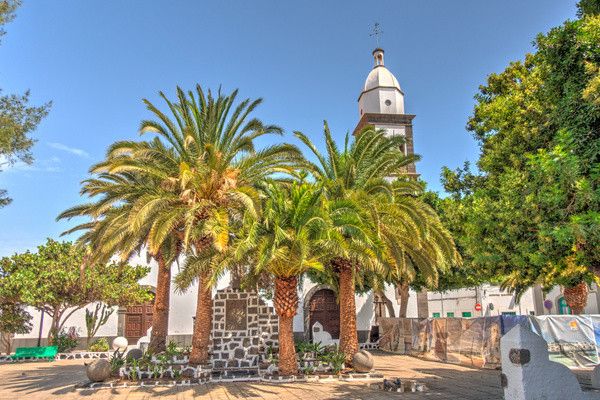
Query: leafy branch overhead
<point>18,119</point>
<point>529,213</point>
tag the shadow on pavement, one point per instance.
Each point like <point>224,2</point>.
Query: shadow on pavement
<point>55,379</point>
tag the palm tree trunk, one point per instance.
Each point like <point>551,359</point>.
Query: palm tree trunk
<point>286,304</point>
<point>203,322</point>
<point>576,297</point>
<point>348,333</point>
<point>403,288</point>
<point>160,312</point>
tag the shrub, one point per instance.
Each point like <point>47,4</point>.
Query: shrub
<point>116,362</point>
<point>172,350</point>
<point>335,358</point>
<point>308,348</point>
<point>65,341</point>
<point>99,345</point>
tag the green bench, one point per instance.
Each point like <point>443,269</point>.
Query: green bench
<point>48,352</point>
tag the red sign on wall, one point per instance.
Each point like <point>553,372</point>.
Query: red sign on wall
<point>477,307</point>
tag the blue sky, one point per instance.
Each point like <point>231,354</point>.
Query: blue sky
<point>96,60</point>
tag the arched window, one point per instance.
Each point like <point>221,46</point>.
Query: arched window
<point>563,307</point>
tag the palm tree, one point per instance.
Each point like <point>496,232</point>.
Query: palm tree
<point>218,167</point>
<point>201,167</point>
<point>285,241</point>
<point>576,297</point>
<point>117,229</point>
<point>414,240</point>
<point>361,175</point>
<point>351,175</point>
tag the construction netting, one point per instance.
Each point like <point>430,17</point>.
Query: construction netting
<point>572,340</point>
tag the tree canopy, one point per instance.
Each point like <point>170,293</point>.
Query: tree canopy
<point>529,214</point>
<point>56,280</point>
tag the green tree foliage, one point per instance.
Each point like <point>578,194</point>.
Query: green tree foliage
<point>286,239</point>
<point>56,280</point>
<point>14,319</point>
<point>457,275</point>
<point>7,13</point>
<point>17,118</point>
<point>530,213</point>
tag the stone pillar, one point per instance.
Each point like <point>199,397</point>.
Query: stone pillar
<point>528,374</point>
<point>422,304</point>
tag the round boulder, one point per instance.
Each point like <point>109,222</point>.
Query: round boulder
<point>120,343</point>
<point>134,354</point>
<point>98,370</point>
<point>362,361</point>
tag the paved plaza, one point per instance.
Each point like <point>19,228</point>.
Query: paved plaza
<point>54,380</point>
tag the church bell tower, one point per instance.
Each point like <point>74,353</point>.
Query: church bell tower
<point>381,104</point>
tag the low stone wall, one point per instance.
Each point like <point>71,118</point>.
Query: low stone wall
<point>78,355</point>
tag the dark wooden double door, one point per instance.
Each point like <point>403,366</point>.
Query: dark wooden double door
<point>325,309</point>
<point>138,319</point>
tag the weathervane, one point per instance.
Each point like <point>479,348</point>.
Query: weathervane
<point>377,32</point>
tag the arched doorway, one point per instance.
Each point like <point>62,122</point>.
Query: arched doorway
<point>323,307</point>
<point>138,319</point>
<point>563,307</point>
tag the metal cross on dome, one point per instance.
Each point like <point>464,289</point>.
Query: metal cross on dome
<point>377,32</point>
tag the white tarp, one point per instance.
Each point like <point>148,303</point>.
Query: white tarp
<point>573,340</point>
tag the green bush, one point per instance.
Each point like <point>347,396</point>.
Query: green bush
<point>172,350</point>
<point>116,362</point>
<point>65,341</point>
<point>305,347</point>
<point>99,345</point>
<point>335,358</point>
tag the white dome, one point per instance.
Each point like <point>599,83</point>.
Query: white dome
<point>380,76</point>
<point>381,93</point>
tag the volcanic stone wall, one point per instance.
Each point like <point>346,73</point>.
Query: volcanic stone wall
<point>244,327</point>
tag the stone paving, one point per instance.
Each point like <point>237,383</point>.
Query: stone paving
<point>54,380</point>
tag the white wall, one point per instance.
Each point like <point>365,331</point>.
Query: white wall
<point>463,300</point>
<point>373,101</point>
<point>77,320</point>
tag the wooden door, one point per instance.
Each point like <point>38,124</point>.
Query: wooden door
<point>325,309</point>
<point>138,319</point>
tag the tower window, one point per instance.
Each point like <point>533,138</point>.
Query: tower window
<point>388,103</point>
